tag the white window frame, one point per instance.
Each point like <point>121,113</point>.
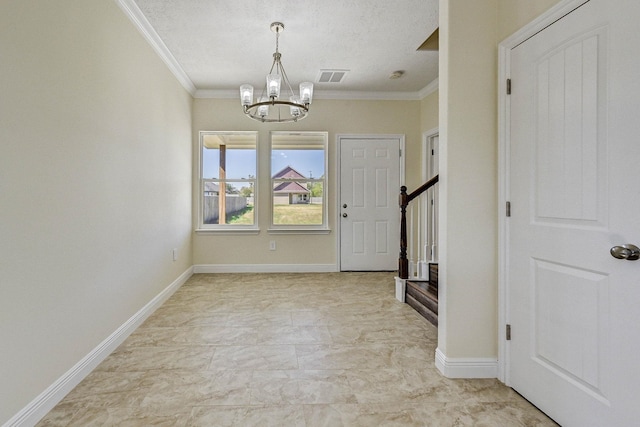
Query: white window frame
<point>226,228</point>
<point>301,228</point>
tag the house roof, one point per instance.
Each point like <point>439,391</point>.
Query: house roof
<point>289,172</point>
<point>211,186</point>
<point>290,187</point>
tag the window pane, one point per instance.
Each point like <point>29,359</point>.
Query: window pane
<point>233,206</point>
<point>228,155</point>
<point>228,176</point>
<point>298,179</point>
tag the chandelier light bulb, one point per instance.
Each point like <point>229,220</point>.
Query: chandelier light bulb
<point>306,92</point>
<point>273,85</point>
<point>263,110</point>
<point>294,109</point>
<point>246,94</point>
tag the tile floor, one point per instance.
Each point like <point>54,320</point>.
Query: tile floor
<point>333,349</point>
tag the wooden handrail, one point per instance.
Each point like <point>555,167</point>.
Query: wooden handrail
<point>405,199</point>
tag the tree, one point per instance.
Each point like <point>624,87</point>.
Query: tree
<point>246,191</point>
<point>315,188</point>
<point>230,189</point>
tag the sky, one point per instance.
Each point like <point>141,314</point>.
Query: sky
<point>241,163</point>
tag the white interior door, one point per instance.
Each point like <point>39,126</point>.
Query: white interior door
<point>574,148</point>
<point>369,211</point>
<point>433,154</point>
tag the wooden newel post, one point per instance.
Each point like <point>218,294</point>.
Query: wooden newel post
<point>403,263</point>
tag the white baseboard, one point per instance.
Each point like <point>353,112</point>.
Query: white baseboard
<point>265,268</point>
<point>41,405</point>
<point>466,367</point>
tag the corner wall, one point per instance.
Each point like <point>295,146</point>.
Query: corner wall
<point>468,194</point>
<point>469,35</point>
<point>95,185</point>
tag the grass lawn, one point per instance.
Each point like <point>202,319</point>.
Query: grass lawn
<point>297,214</point>
<point>283,215</point>
<point>243,217</point>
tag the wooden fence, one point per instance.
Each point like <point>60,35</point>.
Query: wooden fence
<point>235,203</point>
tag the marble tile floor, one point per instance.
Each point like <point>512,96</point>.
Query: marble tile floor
<point>325,349</point>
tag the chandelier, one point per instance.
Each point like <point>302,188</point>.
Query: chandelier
<point>277,102</point>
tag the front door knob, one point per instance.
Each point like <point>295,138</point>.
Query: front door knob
<point>344,215</point>
<point>629,252</point>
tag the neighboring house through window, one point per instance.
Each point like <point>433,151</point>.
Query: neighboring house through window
<point>298,181</point>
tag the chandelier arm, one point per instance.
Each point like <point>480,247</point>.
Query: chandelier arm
<point>305,107</point>
<point>286,79</point>
<point>304,112</point>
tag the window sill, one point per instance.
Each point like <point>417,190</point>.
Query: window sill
<point>205,231</point>
<point>299,231</point>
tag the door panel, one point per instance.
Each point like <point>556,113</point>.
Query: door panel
<point>369,187</point>
<point>573,138</point>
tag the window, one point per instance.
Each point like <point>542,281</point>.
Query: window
<point>228,181</point>
<point>298,181</point>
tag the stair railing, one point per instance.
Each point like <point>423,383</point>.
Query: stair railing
<point>405,199</point>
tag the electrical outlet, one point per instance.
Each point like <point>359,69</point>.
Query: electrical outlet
<point>272,245</point>
<point>174,252</point>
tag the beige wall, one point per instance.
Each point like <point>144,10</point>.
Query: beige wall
<point>429,112</point>
<point>469,35</point>
<point>96,179</point>
<point>333,116</point>
<point>514,14</point>
<point>95,185</point>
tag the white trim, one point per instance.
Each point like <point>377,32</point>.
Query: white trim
<point>226,231</point>
<point>135,15</point>
<point>133,12</point>
<point>466,367</point>
<point>48,399</point>
<point>504,71</point>
<point>299,230</point>
<point>265,268</point>
<point>402,171</point>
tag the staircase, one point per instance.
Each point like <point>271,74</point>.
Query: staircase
<point>422,295</point>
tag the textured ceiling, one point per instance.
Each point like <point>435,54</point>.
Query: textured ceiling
<point>221,44</point>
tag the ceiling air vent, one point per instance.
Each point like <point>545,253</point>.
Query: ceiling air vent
<point>331,76</point>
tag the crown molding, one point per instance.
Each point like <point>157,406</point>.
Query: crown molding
<point>135,15</point>
<point>334,94</point>
<point>430,88</point>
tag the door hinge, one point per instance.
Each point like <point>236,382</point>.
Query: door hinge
<point>432,152</point>
<point>508,333</point>
<point>508,86</point>
<point>400,151</point>
<point>508,209</point>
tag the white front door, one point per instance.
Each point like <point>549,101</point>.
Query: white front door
<point>369,210</point>
<point>574,310</point>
